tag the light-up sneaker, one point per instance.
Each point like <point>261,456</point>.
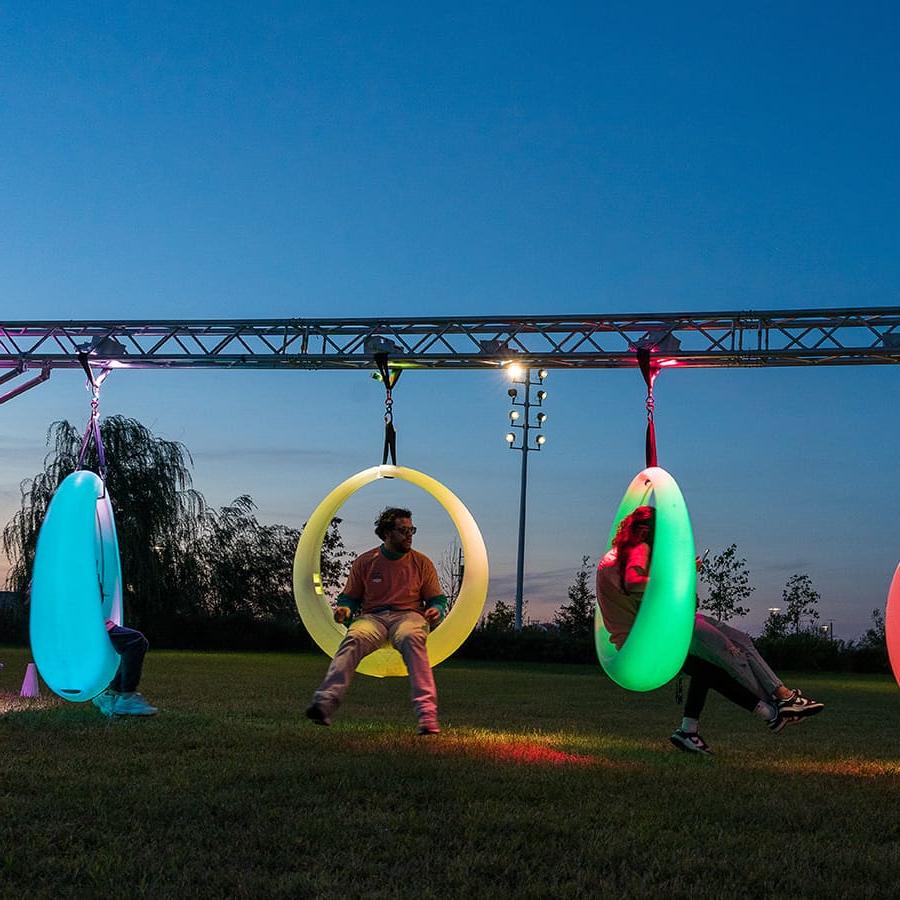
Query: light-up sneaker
<point>104,702</point>
<point>132,705</point>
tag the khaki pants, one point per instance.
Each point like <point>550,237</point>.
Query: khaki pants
<point>407,632</point>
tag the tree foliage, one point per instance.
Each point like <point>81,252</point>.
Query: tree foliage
<point>776,625</point>
<point>501,618</point>
<point>576,618</point>
<point>156,508</point>
<point>180,558</point>
<point>727,579</point>
<point>876,636</point>
<point>800,599</point>
<point>248,565</point>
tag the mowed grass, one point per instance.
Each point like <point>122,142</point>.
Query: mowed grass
<point>547,781</point>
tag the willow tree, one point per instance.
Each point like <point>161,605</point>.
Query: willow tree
<point>157,516</point>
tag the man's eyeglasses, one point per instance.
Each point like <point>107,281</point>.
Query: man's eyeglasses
<point>408,532</point>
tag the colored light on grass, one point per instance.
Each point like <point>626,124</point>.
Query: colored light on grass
<point>658,642</point>
<point>530,753</point>
<point>76,587</point>
<point>317,614</point>
<point>892,625</point>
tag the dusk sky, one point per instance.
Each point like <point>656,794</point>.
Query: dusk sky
<point>266,160</point>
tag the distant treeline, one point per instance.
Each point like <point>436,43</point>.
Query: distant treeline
<point>544,643</point>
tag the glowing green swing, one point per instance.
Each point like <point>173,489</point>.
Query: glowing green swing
<point>658,642</point>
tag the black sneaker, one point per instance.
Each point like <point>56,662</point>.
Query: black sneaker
<point>782,719</point>
<point>798,705</point>
<point>690,743</point>
<point>316,715</point>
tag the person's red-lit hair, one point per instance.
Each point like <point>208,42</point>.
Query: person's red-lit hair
<point>634,529</point>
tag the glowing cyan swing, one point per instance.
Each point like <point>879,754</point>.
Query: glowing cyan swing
<point>657,645</point>
<point>77,580</point>
<point>892,625</point>
<point>309,594</point>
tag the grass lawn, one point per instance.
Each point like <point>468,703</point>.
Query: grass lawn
<point>547,781</point>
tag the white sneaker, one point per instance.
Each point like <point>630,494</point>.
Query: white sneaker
<point>132,705</point>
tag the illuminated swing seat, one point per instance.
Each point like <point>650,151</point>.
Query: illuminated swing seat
<point>309,594</point>
<point>76,586</point>
<point>892,625</point>
<point>657,645</point>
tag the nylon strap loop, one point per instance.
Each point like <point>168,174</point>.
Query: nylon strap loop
<point>93,426</point>
<point>649,371</point>
<point>389,377</point>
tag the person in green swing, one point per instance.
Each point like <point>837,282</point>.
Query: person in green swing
<point>720,657</point>
<point>392,594</point>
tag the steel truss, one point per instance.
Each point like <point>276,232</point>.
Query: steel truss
<point>707,339</point>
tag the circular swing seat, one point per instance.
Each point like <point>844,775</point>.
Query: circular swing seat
<point>658,642</point>
<point>76,566</point>
<point>892,625</point>
<point>317,614</point>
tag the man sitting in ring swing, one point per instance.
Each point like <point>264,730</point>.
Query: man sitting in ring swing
<point>395,592</point>
<point>719,657</point>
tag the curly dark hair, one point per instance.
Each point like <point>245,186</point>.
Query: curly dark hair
<point>386,518</point>
<point>627,535</point>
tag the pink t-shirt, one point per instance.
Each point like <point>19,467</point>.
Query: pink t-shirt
<point>619,607</point>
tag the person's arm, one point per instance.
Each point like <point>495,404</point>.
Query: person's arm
<point>350,599</point>
<point>346,607</point>
<point>637,569</point>
<point>435,609</point>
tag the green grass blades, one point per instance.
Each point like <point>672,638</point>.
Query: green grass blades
<point>547,781</point>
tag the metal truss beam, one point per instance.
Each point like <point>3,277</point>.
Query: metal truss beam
<point>831,337</point>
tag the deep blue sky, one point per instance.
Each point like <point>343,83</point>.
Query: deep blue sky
<point>327,159</point>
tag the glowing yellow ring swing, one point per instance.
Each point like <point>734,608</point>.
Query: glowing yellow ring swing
<point>310,597</point>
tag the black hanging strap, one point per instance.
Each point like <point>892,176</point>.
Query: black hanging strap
<point>649,371</point>
<point>389,377</point>
<point>93,426</point>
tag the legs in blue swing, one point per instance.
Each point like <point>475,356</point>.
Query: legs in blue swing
<point>408,633</point>
<point>121,698</point>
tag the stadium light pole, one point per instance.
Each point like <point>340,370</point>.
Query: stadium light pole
<point>522,421</point>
